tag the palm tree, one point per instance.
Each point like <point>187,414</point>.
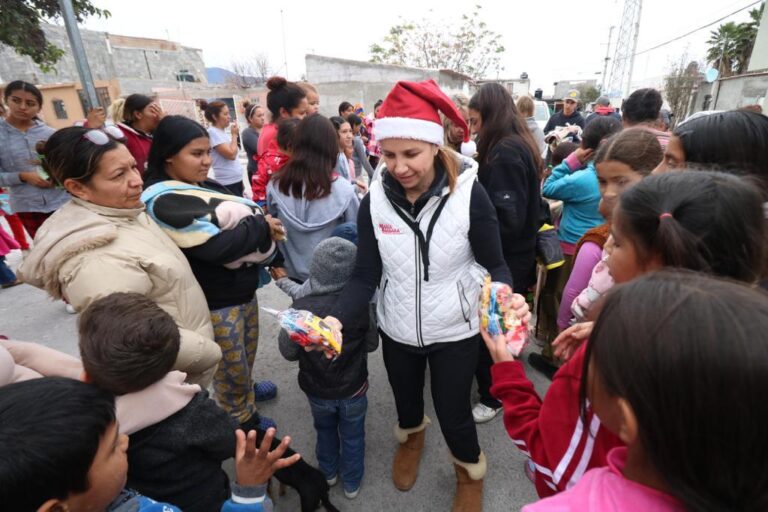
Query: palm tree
<point>723,45</point>
<point>746,38</point>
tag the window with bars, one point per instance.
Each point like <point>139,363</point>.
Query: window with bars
<point>60,109</point>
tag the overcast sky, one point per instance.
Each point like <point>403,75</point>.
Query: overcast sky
<point>550,40</point>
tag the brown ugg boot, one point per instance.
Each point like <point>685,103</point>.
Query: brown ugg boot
<point>469,485</point>
<point>405,467</point>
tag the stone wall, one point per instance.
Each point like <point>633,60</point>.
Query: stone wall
<point>339,80</point>
<point>139,64</point>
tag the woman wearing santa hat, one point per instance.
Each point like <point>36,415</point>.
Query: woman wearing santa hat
<point>427,235</point>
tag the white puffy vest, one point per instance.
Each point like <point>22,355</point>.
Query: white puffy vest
<point>413,310</point>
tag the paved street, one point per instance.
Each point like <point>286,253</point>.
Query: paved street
<point>27,314</point>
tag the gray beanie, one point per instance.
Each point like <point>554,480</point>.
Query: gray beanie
<point>332,265</point>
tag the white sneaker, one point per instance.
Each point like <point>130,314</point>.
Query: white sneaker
<point>351,494</point>
<point>482,413</point>
<point>70,309</point>
<point>332,481</point>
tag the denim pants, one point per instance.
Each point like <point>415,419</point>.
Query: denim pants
<point>6,274</point>
<point>340,426</point>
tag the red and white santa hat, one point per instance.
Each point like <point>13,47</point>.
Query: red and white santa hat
<point>410,111</point>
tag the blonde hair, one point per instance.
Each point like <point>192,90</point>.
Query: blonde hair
<point>450,163</point>
<point>462,103</point>
<point>115,110</point>
<point>307,87</point>
<point>526,106</point>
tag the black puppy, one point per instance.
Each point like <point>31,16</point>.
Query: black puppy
<point>309,482</point>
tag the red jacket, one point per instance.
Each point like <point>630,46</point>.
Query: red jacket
<point>138,145</point>
<point>269,158</point>
<point>551,432</point>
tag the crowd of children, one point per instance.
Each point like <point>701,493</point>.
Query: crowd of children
<point>655,401</point>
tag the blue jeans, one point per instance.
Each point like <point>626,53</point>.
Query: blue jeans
<point>340,426</point>
<point>6,274</point>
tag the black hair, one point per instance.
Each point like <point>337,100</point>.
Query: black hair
<point>688,353</point>
<point>377,104</point>
<point>211,110</point>
<point>642,106</point>
<point>286,129</point>
<point>143,342</point>
<point>354,120</point>
<point>338,121</point>
<point>315,151</point>
<point>636,147</point>
<point>283,94</point>
<point>21,85</point>
<point>562,151</point>
<point>249,109</point>
<point>500,120</point>
<point>735,141</point>
<point>170,137</point>
<point>69,155</point>
<point>704,221</point>
<point>50,430</point>
<point>345,105</point>
<point>598,130</point>
<point>134,103</point>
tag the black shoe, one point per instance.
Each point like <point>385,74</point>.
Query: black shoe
<point>542,365</point>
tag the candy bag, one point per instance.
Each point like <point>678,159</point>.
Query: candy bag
<point>498,317</point>
<point>306,329</point>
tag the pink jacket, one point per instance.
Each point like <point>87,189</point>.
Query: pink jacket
<point>605,490</point>
<point>599,284</point>
<point>21,360</point>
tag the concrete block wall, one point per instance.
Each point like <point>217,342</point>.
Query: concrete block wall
<point>139,67</point>
<point>743,90</point>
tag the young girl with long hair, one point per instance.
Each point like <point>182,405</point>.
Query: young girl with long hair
<point>703,221</point>
<point>307,196</point>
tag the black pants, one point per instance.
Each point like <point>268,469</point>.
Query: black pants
<point>522,280</point>
<point>451,367</point>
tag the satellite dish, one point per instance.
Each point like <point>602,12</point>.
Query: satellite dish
<point>711,75</point>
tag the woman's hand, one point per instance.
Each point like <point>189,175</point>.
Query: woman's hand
<point>234,130</point>
<point>256,467</point>
<point>583,154</point>
<point>156,111</point>
<point>276,229</point>
<point>96,118</point>
<point>568,341</point>
<point>278,273</point>
<point>362,187</point>
<point>497,346</point>
<point>34,179</point>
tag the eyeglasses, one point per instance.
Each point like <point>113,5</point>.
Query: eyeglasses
<point>104,135</point>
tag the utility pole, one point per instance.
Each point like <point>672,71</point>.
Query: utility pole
<point>607,58</point>
<point>634,45</point>
<point>78,52</point>
<point>285,53</point>
<point>626,47</point>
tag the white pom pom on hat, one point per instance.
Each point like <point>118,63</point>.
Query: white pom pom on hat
<point>410,111</point>
<point>469,148</point>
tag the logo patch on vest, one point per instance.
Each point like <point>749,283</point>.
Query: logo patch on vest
<point>389,229</point>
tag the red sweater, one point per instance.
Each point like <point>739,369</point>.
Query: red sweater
<point>138,145</point>
<point>269,158</point>
<point>551,432</point>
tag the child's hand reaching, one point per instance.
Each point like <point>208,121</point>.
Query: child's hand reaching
<point>497,346</point>
<point>568,341</point>
<point>255,467</point>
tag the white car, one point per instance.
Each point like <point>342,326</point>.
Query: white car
<point>541,113</point>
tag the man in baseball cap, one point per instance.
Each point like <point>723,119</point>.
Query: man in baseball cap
<point>568,115</point>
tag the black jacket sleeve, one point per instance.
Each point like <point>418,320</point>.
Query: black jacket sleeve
<point>507,178</point>
<point>250,235</point>
<point>484,235</point>
<point>367,274</point>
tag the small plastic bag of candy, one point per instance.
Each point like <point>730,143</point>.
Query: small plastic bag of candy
<point>498,317</point>
<point>306,329</point>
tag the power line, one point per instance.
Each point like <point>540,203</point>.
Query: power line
<point>700,28</point>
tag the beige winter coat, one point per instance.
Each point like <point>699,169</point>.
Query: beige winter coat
<point>84,252</point>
